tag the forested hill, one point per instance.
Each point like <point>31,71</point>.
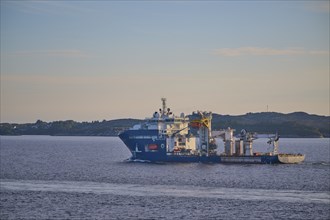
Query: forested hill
<point>297,124</point>
<point>69,128</point>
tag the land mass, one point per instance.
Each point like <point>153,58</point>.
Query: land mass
<point>297,124</point>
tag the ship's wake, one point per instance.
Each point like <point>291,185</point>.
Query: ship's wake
<point>166,190</point>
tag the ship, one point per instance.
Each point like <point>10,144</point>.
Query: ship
<point>165,137</point>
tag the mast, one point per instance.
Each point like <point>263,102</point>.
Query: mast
<point>275,144</point>
<point>164,105</point>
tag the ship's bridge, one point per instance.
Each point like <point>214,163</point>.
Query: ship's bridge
<point>168,124</point>
<point>165,122</point>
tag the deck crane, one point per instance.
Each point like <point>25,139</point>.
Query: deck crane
<point>203,124</point>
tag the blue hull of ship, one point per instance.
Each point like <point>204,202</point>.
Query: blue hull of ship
<point>137,140</point>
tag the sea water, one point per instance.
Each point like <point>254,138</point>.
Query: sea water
<point>44,177</point>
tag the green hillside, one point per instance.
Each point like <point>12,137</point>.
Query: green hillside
<point>297,124</point>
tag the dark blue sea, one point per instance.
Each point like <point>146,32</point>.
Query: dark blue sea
<point>45,177</point>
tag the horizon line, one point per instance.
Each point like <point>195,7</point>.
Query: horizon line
<point>130,118</point>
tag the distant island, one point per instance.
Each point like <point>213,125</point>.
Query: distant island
<point>296,124</point>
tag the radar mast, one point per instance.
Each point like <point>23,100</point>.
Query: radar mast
<point>164,106</point>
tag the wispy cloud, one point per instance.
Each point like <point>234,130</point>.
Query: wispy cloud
<point>54,53</point>
<point>319,52</point>
<point>264,51</point>
<point>54,80</point>
<point>47,7</point>
<point>318,6</point>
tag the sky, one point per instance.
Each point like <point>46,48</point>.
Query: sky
<point>103,60</point>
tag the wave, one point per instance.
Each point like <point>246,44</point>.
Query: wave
<point>322,163</point>
<point>166,190</point>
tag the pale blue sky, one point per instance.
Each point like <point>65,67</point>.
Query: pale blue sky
<point>95,60</point>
